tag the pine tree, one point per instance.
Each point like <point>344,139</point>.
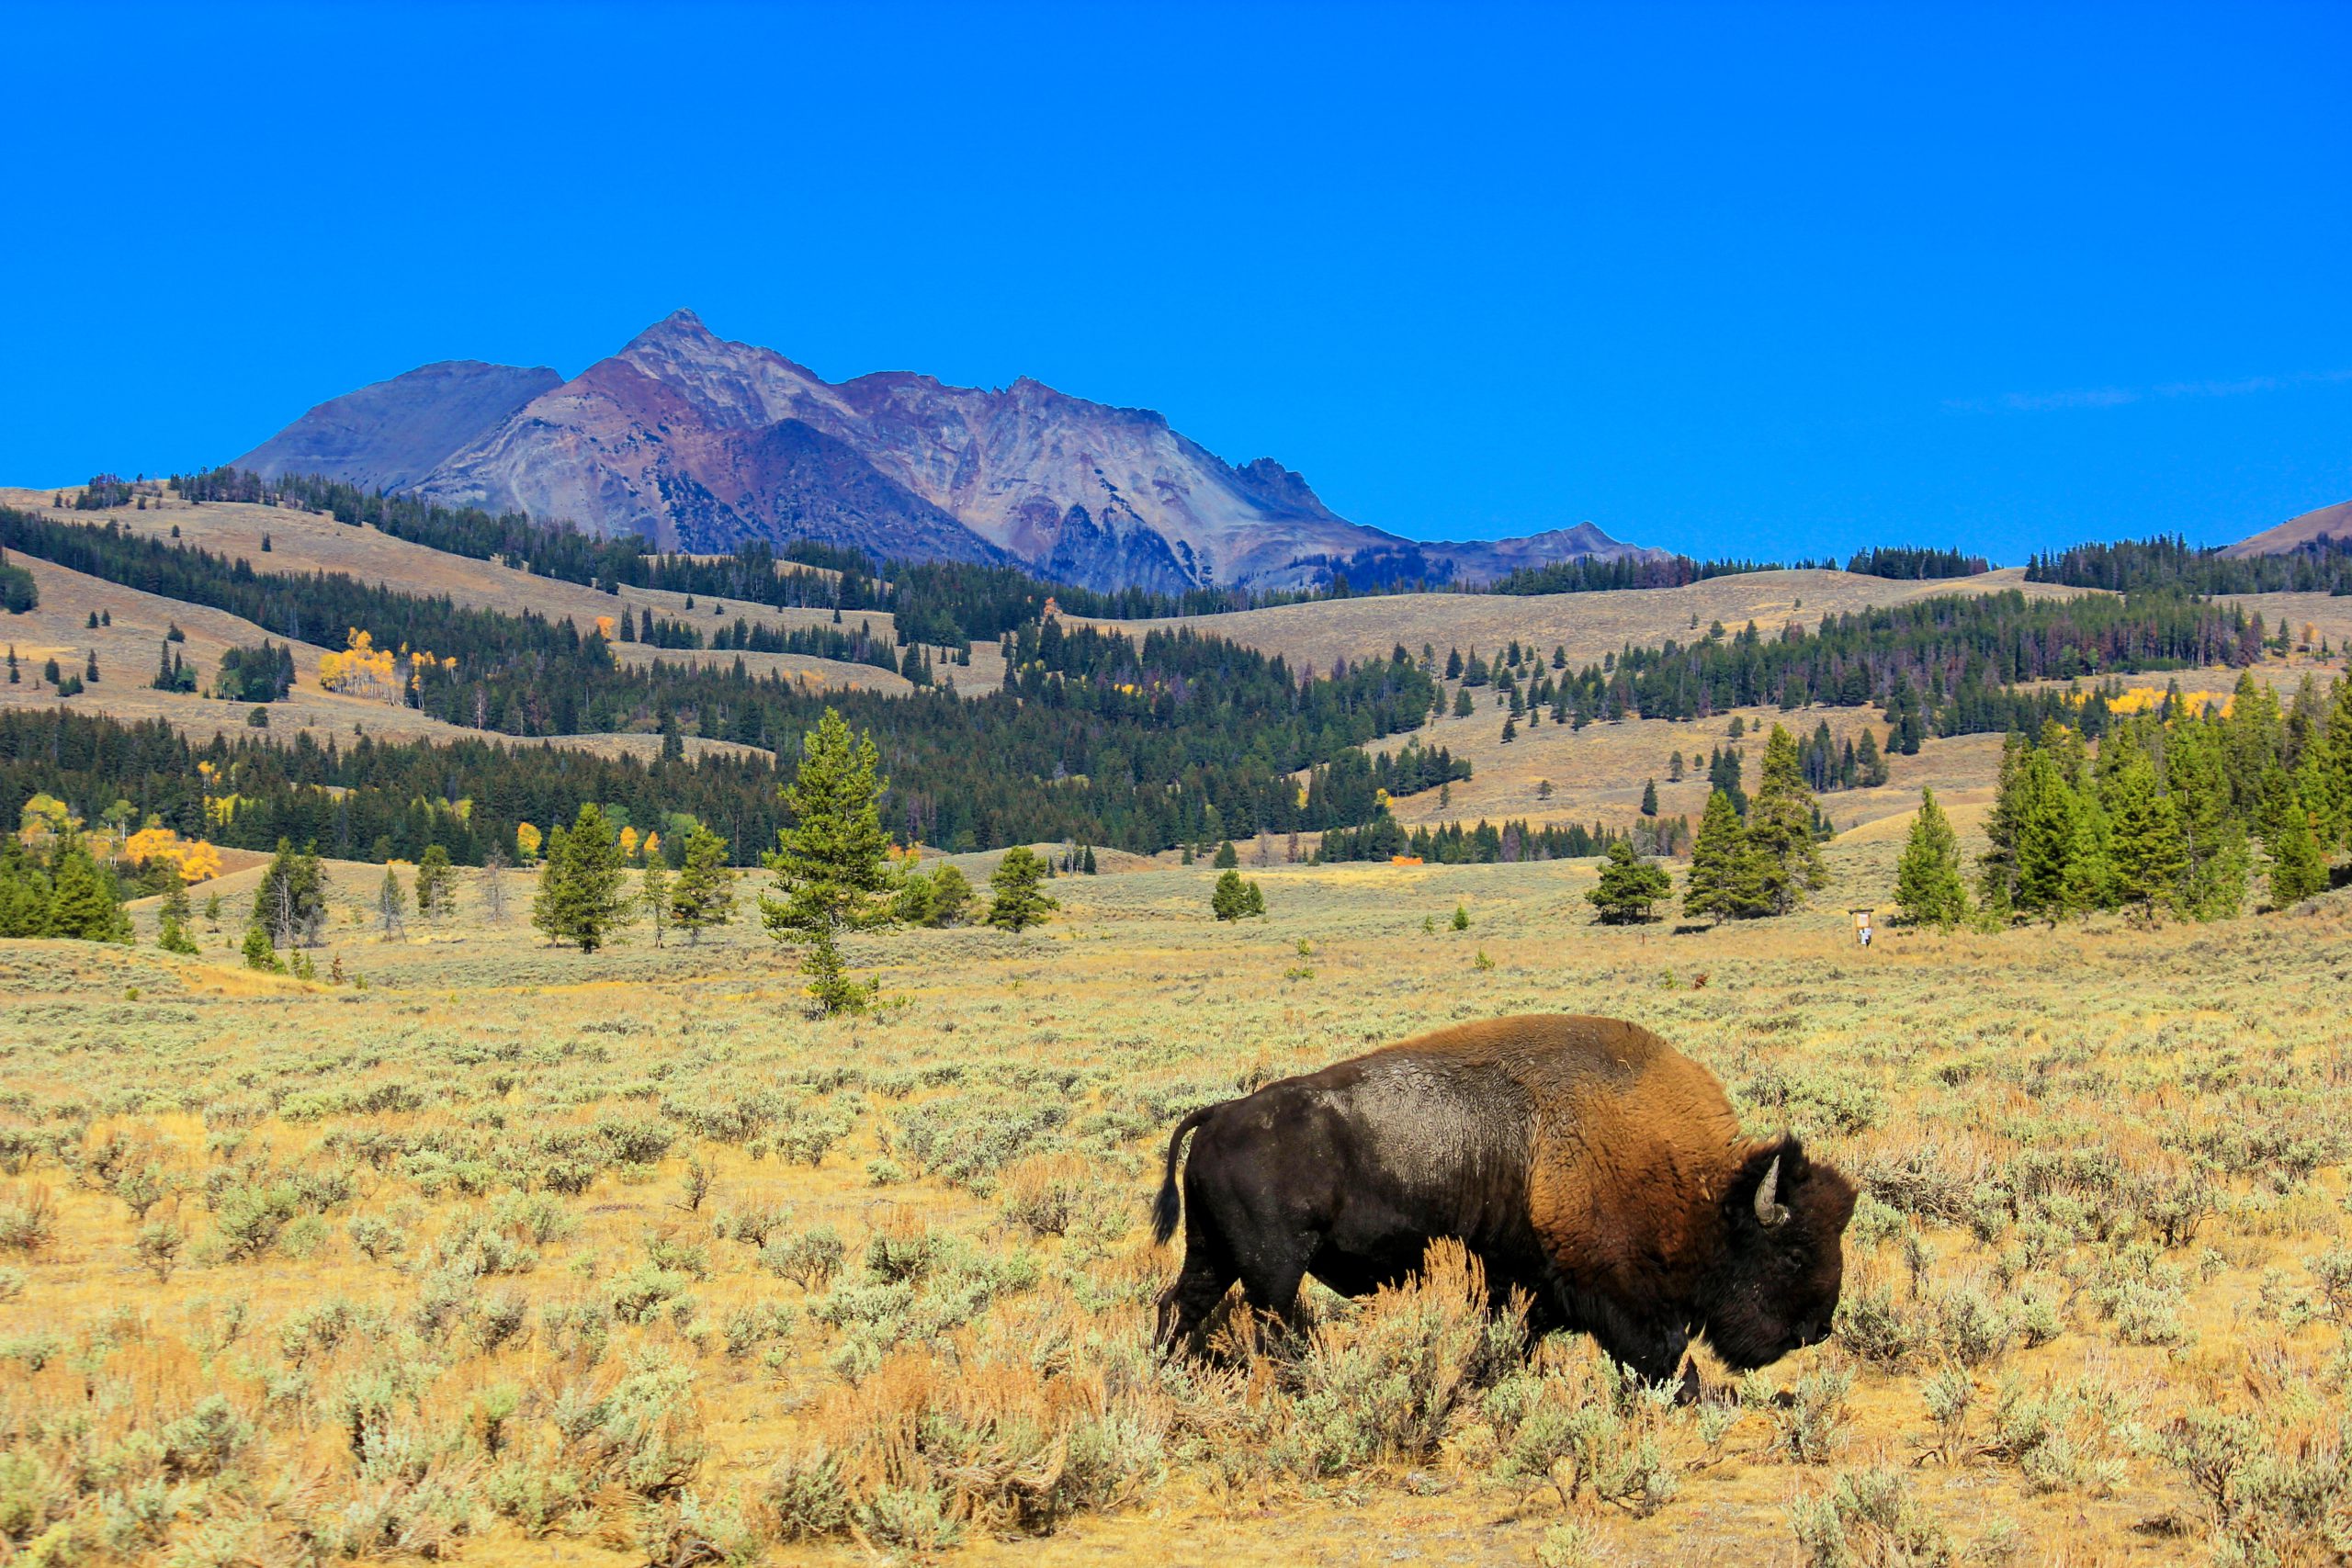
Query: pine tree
<point>436,883</point>
<point>704,894</point>
<point>2298,870</point>
<point>579,899</point>
<point>951,897</point>
<point>830,863</point>
<point>1234,898</point>
<point>2044,831</point>
<point>391,905</point>
<point>290,901</point>
<point>172,917</point>
<point>2088,881</point>
<point>1017,902</point>
<point>653,893</point>
<point>84,900</point>
<point>2198,781</point>
<point>1714,860</point>
<point>1227,858</point>
<point>259,955</point>
<point>1649,797</point>
<point>1870,765</point>
<point>1927,880</point>
<point>2149,851</point>
<point>1629,886</point>
<point>1784,857</point>
<point>24,891</point>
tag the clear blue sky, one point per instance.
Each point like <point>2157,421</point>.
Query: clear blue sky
<point>1753,279</point>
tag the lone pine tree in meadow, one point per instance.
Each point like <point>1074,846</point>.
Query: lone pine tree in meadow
<point>1234,898</point>
<point>436,883</point>
<point>579,899</point>
<point>704,894</point>
<point>1018,900</point>
<point>391,905</point>
<point>830,863</point>
<point>1927,880</point>
<point>1630,885</point>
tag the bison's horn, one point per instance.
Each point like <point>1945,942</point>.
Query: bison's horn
<point>1768,1212</point>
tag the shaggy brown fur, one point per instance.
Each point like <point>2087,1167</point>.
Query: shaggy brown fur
<point>1584,1159</point>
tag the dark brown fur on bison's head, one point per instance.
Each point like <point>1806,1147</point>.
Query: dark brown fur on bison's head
<point>1775,1286</point>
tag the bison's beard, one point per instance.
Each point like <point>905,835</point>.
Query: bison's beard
<point>1747,1334</point>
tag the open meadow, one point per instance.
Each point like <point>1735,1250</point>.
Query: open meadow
<point>535,1257</point>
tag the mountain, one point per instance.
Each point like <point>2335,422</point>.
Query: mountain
<point>2334,522</point>
<point>391,436</point>
<point>698,444</point>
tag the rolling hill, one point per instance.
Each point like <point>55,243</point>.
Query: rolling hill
<point>2329,522</point>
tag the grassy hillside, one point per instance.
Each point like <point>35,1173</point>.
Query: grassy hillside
<point>454,1217</point>
<point>128,649</point>
<point>1589,625</point>
<point>312,541</point>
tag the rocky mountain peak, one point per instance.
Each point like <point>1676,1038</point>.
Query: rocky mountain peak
<point>699,442</point>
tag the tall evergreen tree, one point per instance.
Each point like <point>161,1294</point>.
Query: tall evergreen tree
<point>24,891</point>
<point>579,899</point>
<point>436,883</point>
<point>2043,823</point>
<point>2198,781</point>
<point>1784,858</point>
<point>2298,870</point>
<point>391,905</point>
<point>1927,880</point>
<point>1714,860</point>
<point>704,894</point>
<point>828,862</point>
<point>85,901</point>
<point>2149,850</point>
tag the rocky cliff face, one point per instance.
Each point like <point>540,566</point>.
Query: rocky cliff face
<point>698,443</point>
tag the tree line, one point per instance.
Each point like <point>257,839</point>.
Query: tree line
<point>2323,565</point>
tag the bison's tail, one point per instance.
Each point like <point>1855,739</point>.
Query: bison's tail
<point>1169,1207</point>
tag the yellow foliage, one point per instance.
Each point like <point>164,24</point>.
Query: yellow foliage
<point>198,860</point>
<point>526,841</point>
<point>605,627</point>
<point>363,670</point>
<point>652,845</point>
<point>628,844</point>
<point>46,818</point>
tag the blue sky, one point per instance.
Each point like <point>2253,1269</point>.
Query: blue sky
<point>1762,280</point>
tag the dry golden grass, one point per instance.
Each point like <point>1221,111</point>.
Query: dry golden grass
<point>999,1126</point>
<point>311,541</point>
<point>1587,625</point>
<point>128,648</point>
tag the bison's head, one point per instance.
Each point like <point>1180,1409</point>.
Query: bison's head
<point>1776,1283</point>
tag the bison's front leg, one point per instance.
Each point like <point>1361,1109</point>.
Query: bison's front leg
<point>1651,1350</point>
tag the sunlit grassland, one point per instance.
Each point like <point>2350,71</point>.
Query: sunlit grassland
<point>447,1279</point>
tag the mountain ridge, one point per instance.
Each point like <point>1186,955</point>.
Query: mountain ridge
<point>698,443</point>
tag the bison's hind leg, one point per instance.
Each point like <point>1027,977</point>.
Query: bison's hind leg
<point>1198,1288</point>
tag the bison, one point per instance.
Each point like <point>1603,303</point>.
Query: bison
<point>1583,1161</point>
